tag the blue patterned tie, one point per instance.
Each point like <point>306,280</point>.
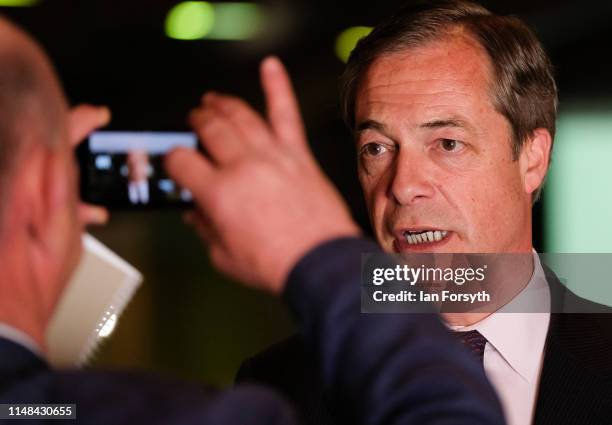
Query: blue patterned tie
<point>473,341</point>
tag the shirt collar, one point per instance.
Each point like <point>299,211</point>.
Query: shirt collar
<point>21,338</point>
<point>520,337</point>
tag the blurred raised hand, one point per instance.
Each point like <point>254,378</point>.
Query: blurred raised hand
<point>261,199</point>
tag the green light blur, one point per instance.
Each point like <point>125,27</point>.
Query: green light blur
<point>18,3</point>
<point>578,193</point>
<point>193,20</point>
<point>347,40</point>
<point>190,20</point>
<point>236,21</point>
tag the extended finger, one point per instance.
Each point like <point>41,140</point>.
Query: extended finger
<point>83,119</point>
<point>92,214</point>
<point>218,135</point>
<point>248,123</point>
<point>283,109</point>
<point>190,170</point>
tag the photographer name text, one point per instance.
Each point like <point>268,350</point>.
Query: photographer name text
<point>429,277</point>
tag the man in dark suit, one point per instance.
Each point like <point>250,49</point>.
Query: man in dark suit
<point>40,225</point>
<point>453,111</point>
<point>577,356</point>
<point>138,169</point>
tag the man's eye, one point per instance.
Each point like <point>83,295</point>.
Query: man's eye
<point>450,145</point>
<point>373,149</point>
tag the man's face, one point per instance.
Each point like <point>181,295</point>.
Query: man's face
<point>435,158</point>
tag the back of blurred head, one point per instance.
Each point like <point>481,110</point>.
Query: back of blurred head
<point>39,227</point>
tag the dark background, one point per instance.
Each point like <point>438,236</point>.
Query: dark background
<point>187,320</point>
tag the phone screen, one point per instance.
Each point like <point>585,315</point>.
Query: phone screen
<point>124,169</point>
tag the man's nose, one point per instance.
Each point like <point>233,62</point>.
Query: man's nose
<point>412,180</point>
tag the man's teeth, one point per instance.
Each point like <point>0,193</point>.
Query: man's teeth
<point>425,237</point>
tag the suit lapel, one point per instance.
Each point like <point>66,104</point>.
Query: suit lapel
<point>558,380</point>
<point>17,362</point>
<point>573,387</point>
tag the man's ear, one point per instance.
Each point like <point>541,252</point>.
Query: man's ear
<point>29,189</point>
<point>42,185</point>
<point>535,158</point>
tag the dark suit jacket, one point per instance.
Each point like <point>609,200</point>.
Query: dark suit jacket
<point>576,377</point>
<point>371,377</point>
<point>120,397</point>
<point>575,385</point>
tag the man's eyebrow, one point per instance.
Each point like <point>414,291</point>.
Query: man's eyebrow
<point>370,125</point>
<point>446,122</point>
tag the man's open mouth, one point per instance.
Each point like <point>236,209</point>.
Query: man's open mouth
<point>424,236</point>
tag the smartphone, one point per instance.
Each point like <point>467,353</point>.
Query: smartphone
<point>124,169</point>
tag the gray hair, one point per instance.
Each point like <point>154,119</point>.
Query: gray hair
<point>523,87</point>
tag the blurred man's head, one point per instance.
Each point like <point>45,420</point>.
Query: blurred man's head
<point>453,110</point>
<point>39,228</point>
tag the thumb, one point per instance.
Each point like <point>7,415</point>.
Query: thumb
<point>190,170</point>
